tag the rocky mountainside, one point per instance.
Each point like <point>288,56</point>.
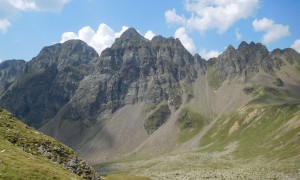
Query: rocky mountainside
<point>28,154</point>
<point>10,71</point>
<point>48,81</point>
<point>143,98</point>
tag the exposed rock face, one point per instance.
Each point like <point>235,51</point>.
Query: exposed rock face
<point>247,60</point>
<point>133,70</point>
<point>49,81</point>
<point>10,71</point>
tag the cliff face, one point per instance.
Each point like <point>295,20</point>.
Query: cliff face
<point>10,71</point>
<point>48,81</point>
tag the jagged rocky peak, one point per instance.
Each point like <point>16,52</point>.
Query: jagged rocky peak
<point>70,53</point>
<point>158,39</point>
<point>288,54</point>
<point>246,48</point>
<point>129,38</point>
<point>76,45</point>
<point>246,60</point>
<point>130,33</point>
<point>10,71</point>
<point>230,48</point>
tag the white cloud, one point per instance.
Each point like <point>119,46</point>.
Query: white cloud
<point>172,17</point>
<point>238,35</point>
<point>208,54</point>
<point>9,9</point>
<point>213,14</point>
<point>4,24</point>
<point>67,36</point>
<point>273,31</point>
<point>100,39</point>
<point>38,5</point>
<point>149,35</point>
<point>296,45</point>
<point>186,41</point>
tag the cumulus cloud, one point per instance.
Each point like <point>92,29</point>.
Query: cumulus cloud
<point>213,14</point>
<point>273,31</point>
<point>67,36</point>
<point>296,45</point>
<point>208,54</point>
<point>186,41</point>
<point>149,35</point>
<point>38,5</point>
<point>100,39</point>
<point>172,17</point>
<point>4,24</point>
<point>10,8</point>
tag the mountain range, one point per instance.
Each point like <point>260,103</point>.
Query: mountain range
<point>145,98</point>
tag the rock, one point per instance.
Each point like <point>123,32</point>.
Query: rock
<point>10,71</point>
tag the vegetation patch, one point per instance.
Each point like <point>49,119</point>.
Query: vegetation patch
<point>189,123</point>
<point>249,89</point>
<point>157,118</point>
<point>214,77</point>
<point>278,82</point>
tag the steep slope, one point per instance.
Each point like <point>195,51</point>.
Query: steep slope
<point>259,130</point>
<point>28,154</point>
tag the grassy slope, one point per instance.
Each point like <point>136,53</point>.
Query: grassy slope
<point>190,123</point>
<point>17,164</point>
<point>214,78</point>
<point>157,118</point>
<point>260,128</point>
<point>18,156</point>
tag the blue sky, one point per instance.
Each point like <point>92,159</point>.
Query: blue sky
<point>204,26</point>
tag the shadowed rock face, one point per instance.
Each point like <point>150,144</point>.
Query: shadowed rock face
<point>48,81</point>
<point>10,71</point>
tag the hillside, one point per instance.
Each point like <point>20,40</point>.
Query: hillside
<point>28,154</point>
